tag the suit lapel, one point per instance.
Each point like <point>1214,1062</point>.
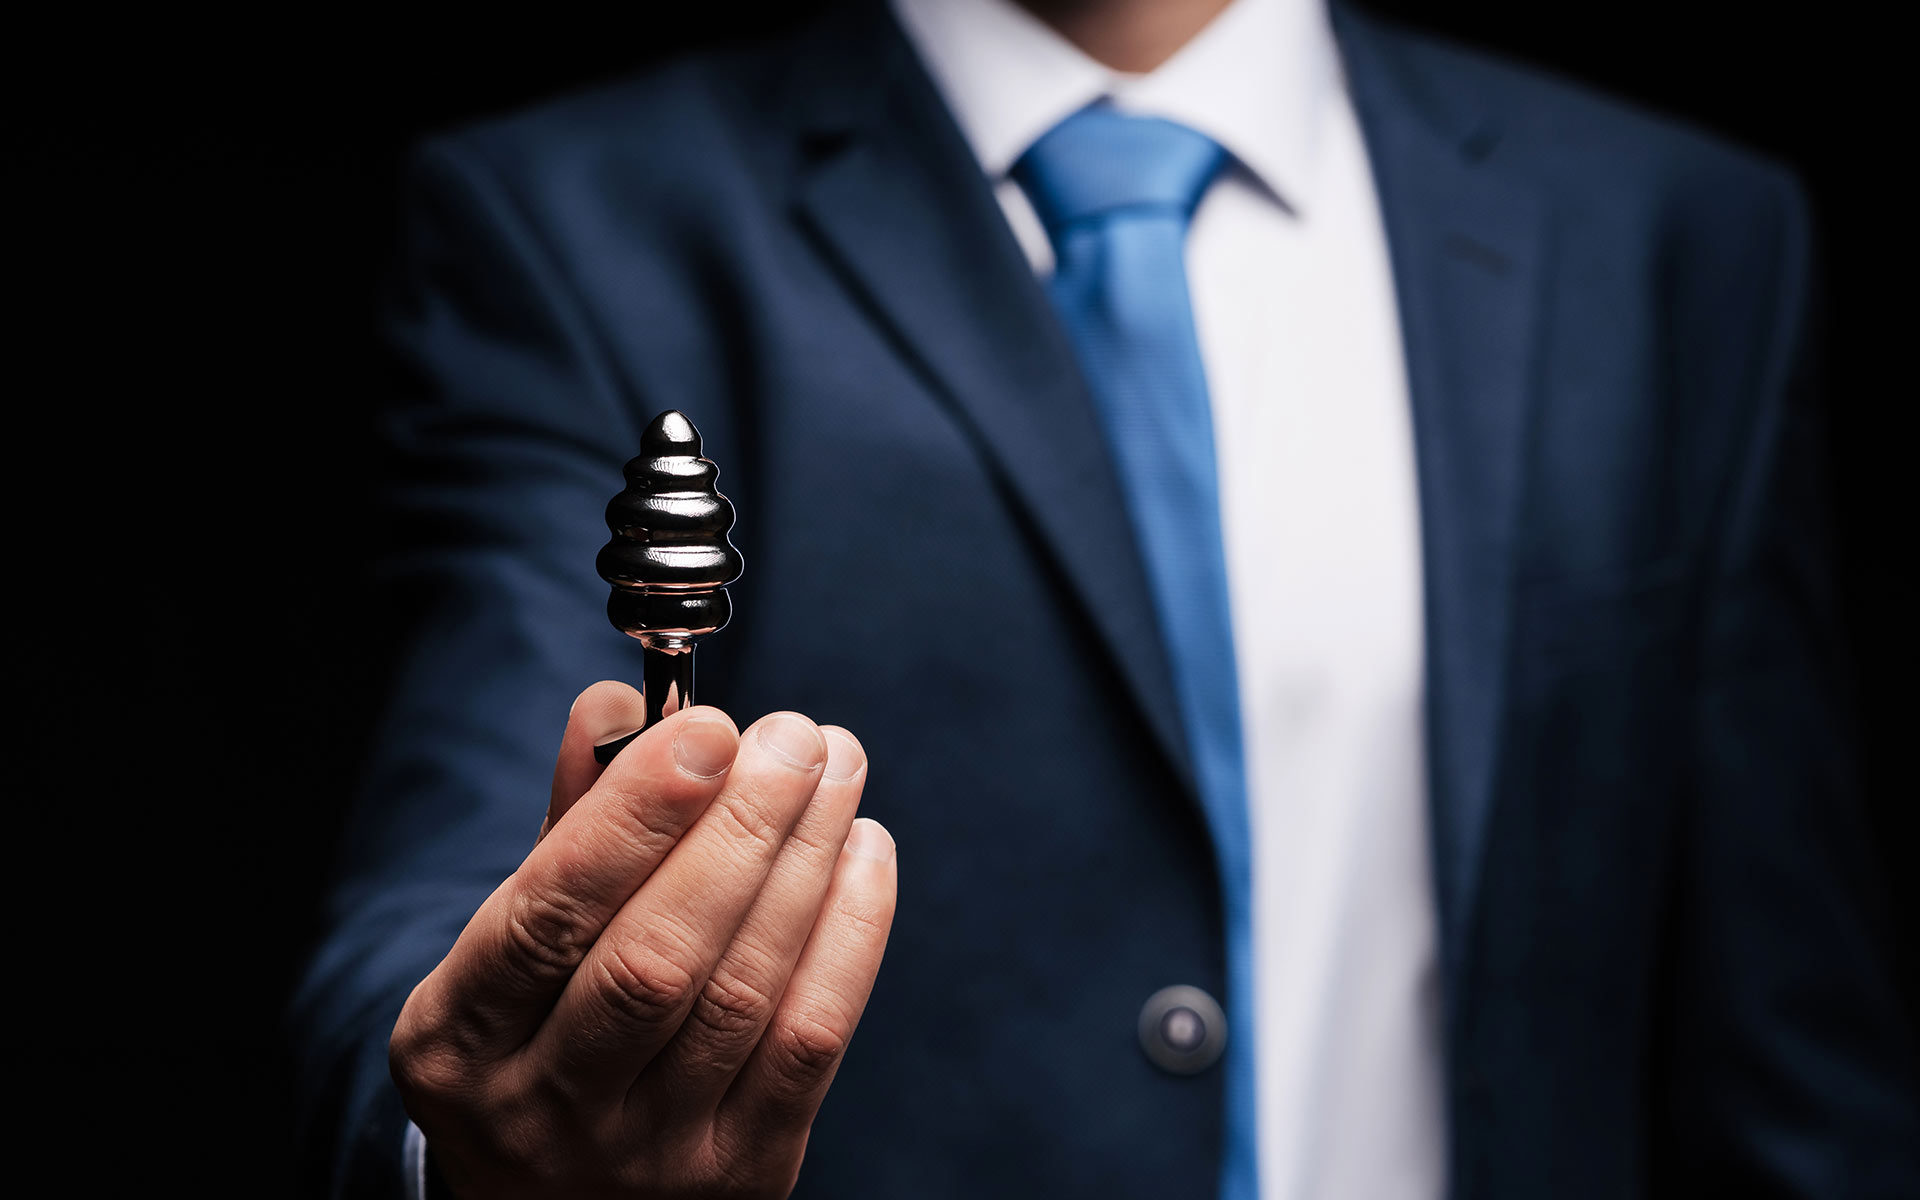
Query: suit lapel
<point>890,192</point>
<point>888,188</point>
<point>1467,247</point>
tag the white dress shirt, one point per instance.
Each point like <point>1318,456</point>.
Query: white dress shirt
<point>1294,304</point>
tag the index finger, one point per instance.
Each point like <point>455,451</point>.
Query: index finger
<point>599,713</point>
<point>517,953</point>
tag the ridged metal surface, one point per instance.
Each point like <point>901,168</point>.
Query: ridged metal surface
<point>669,561</point>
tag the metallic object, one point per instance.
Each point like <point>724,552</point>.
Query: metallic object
<point>1182,1030</point>
<point>669,563</point>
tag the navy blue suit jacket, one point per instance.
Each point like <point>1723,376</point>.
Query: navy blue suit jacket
<point>1659,971</point>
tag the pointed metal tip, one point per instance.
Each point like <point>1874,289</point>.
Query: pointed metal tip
<point>671,433</point>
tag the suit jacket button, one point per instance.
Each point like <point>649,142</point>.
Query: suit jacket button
<point>1182,1030</point>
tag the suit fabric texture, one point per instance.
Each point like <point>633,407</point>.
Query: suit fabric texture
<point>1658,956</point>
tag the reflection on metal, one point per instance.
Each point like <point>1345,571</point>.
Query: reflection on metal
<point>1182,1030</point>
<point>669,563</point>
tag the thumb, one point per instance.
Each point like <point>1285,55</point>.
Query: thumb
<point>603,712</point>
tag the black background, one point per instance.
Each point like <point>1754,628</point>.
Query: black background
<point>207,208</point>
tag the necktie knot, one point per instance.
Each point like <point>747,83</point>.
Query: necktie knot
<point>1099,161</point>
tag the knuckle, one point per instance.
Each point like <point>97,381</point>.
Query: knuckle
<point>549,1094</point>
<point>547,936</point>
<point>644,984</point>
<point>749,824</point>
<point>816,842</point>
<point>731,1005</point>
<point>423,1067</point>
<point>412,1034</point>
<point>806,1046</point>
<point>872,916</point>
<point>640,823</point>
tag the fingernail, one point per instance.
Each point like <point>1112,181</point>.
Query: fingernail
<point>704,747</point>
<point>844,756</point>
<point>794,739</point>
<point>869,839</point>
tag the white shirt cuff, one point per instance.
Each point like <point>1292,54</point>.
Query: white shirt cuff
<point>413,1162</point>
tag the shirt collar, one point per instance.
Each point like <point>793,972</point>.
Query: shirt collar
<point>1253,80</point>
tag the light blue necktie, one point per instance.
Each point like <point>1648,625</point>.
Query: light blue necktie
<point>1115,193</point>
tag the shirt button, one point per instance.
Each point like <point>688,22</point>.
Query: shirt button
<point>1182,1030</point>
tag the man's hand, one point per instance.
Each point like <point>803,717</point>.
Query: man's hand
<point>654,1003</point>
